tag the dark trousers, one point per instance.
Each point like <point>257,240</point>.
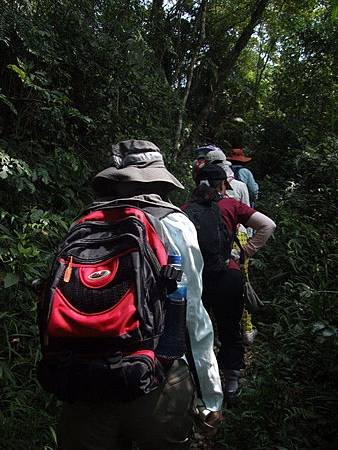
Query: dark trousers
<point>223,295</point>
<point>161,420</point>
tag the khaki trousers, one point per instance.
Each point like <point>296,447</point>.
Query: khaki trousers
<point>161,420</point>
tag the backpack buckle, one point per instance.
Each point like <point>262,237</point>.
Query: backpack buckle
<point>169,276</point>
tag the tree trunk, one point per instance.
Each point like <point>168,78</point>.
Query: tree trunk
<point>229,63</point>
<point>190,74</point>
<point>156,12</point>
<point>156,29</point>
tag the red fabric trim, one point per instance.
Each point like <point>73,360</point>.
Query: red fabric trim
<point>66,321</point>
<point>113,215</point>
<point>233,265</point>
<point>149,353</point>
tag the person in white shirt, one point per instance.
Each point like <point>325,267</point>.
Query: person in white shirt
<point>161,419</point>
<point>238,190</point>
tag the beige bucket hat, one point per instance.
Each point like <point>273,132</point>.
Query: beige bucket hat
<point>138,161</point>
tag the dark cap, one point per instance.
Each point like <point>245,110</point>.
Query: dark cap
<point>211,172</point>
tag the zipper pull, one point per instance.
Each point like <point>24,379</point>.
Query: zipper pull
<point>68,271</point>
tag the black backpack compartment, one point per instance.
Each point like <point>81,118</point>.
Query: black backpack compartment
<point>211,233</point>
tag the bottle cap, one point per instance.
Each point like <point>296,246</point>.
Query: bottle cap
<point>174,259</point>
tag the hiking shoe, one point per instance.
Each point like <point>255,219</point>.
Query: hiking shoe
<point>248,337</point>
<point>231,385</point>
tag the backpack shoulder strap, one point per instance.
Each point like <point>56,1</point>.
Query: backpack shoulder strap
<point>155,215</point>
<point>160,212</point>
<point>236,170</point>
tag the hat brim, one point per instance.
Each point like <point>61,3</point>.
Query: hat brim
<point>148,174</point>
<point>218,161</point>
<point>239,158</point>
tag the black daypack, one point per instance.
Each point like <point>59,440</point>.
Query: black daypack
<point>236,170</point>
<point>103,308</point>
<point>211,233</point>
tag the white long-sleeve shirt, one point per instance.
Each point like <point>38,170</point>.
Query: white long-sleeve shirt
<point>182,238</point>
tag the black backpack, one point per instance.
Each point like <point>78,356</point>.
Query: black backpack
<point>212,234</point>
<point>236,170</point>
<point>103,308</point>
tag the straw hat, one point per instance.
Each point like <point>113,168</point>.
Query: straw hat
<point>237,154</point>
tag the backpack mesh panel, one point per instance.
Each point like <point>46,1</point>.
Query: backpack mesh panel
<point>89,300</point>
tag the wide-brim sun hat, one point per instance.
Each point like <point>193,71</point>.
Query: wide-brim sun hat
<point>138,161</point>
<point>237,154</point>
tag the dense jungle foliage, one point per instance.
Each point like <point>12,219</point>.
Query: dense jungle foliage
<point>77,76</point>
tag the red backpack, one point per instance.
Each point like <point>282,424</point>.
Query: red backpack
<point>103,307</point>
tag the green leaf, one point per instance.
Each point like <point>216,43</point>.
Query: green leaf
<point>4,229</point>
<point>334,9</point>
<point>7,102</point>
<point>328,332</point>
<point>18,71</point>
<point>4,173</point>
<point>36,215</point>
<point>10,280</point>
<point>318,326</point>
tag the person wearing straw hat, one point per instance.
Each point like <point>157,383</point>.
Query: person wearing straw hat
<point>242,173</point>
<point>162,419</point>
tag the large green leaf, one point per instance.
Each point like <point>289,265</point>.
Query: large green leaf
<point>10,279</point>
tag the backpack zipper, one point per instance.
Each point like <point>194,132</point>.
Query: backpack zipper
<point>85,242</point>
<point>107,256</point>
<point>68,271</point>
<point>153,258</point>
<point>95,241</point>
<point>102,224</point>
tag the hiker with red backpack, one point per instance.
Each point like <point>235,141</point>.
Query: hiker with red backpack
<point>216,217</point>
<point>116,283</point>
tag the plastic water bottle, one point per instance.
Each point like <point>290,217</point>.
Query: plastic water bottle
<point>172,344</point>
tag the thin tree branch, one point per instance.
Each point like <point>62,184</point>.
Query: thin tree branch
<point>265,59</point>
<point>230,61</point>
<point>243,39</point>
<point>203,9</point>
